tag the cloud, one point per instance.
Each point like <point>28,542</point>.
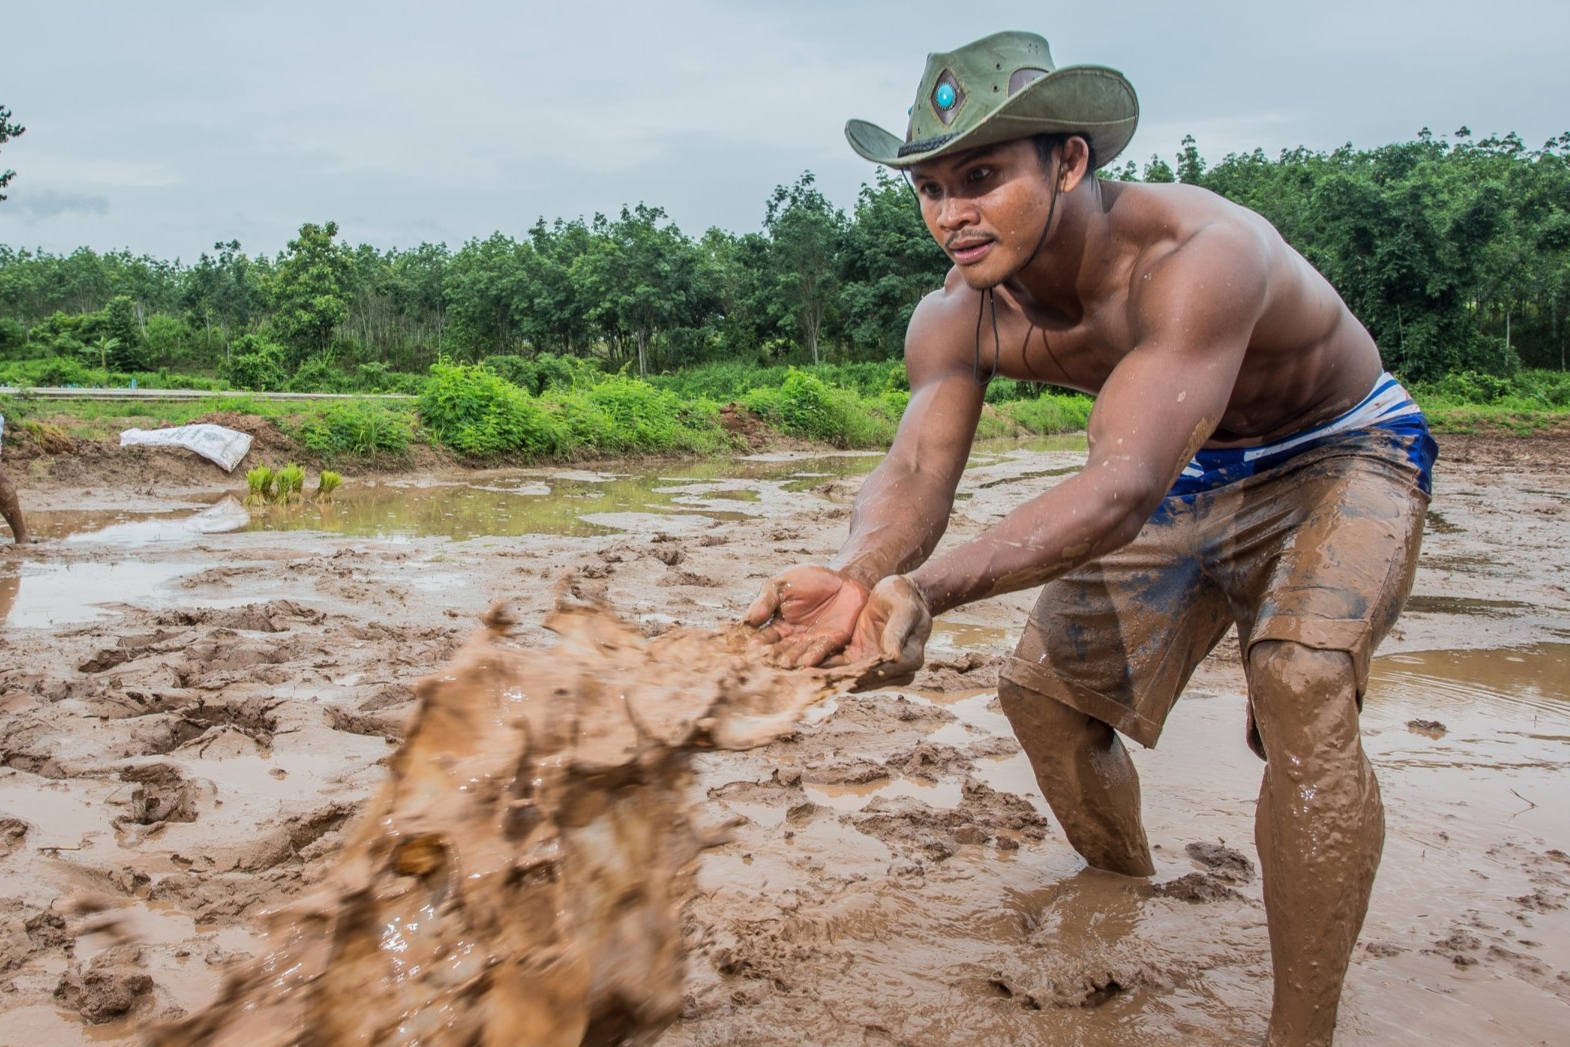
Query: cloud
<point>47,203</point>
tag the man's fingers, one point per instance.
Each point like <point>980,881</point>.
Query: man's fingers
<point>765,606</point>
<point>765,637</point>
<point>801,652</point>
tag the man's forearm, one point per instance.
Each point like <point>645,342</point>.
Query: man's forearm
<point>1043,538</point>
<point>900,514</point>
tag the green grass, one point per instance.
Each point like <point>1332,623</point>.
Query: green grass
<point>1526,402</point>
<point>477,413</point>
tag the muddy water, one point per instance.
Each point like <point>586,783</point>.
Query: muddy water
<point>196,747</point>
<point>520,879</point>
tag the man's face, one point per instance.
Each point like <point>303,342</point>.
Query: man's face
<point>985,207</point>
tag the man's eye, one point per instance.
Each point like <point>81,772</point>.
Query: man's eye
<point>978,174</point>
<point>930,191</point>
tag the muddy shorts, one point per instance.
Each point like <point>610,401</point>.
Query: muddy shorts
<point>1319,550</point>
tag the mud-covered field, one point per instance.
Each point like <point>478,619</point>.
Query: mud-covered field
<point>197,704</point>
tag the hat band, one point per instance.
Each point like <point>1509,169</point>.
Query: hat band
<point>922,145</point>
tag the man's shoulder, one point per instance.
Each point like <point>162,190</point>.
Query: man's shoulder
<point>1159,218</point>
<point>945,311</point>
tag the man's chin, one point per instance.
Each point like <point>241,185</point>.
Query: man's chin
<point>981,277</point>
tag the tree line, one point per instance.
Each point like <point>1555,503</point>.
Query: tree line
<point>1455,252</point>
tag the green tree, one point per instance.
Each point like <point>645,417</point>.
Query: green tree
<point>1190,165</point>
<point>887,263</point>
<point>487,291</point>
<point>223,290</point>
<point>642,280</point>
<point>103,346</point>
<point>119,324</point>
<point>806,231</point>
<point>1159,171</point>
<point>8,131</point>
<point>736,274</point>
<point>310,291</point>
<point>558,313</point>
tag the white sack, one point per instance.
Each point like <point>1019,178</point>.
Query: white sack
<point>213,442</point>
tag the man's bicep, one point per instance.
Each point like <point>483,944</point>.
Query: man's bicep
<point>939,423</point>
<point>1193,317</point>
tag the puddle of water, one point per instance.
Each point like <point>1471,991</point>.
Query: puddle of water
<point>1462,605</point>
<point>1477,683</point>
<point>45,595</point>
<point>965,636</point>
<point>504,503</point>
<point>515,502</point>
<point>227,514</point>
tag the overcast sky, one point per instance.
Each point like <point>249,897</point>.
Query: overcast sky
<point>163,126</point>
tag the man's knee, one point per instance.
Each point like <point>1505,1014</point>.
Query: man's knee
<point>1041,721</point>
<point>1305,700</point>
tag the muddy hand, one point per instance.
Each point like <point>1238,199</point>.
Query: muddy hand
<point>891,633</point>
<point>805,615</point>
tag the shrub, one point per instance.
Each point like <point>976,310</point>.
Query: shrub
<point>13,338</point>
<point>317,375</point>
<point>378,377</point>
<point>357,428</point>
<point>63,371</point>
<point>806,406</point>
<point>627,415</point>
<point>477,412</point>
<point>544,372</point>
<point>255,363</point>
<point>1050,412</point>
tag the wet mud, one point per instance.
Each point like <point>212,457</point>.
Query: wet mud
<point>192,728</point>
<point>520,878</point>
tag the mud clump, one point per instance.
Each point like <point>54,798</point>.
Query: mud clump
<point>26,931</point>
<point>520,878</point>
<point>1222,862</point>
<point>913,829</point>
<point>113,985</point>
<point>1194,887</point>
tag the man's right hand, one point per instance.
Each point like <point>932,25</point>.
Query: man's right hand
<point>806,615</point>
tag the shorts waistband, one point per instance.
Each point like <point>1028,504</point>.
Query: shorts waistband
<point>1388,406</point>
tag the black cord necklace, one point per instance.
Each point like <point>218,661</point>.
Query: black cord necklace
<point>988,301</point>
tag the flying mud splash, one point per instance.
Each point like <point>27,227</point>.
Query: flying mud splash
<point>519,880</point>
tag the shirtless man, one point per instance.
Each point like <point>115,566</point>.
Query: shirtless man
<point>1250,464</point>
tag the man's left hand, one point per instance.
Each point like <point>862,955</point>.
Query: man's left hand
<point>892,631</point>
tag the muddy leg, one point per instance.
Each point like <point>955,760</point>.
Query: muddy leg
<point>1087,777</point>
<point>1320,828</point>
<point>11,509</point>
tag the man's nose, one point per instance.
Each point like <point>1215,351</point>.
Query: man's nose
<point>956,212</point>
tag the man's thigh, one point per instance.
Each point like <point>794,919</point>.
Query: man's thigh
<point>1118,638</point>
<point>1324,554</point>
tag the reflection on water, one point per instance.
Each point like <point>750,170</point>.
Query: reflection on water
<point>502,503</point>
<point>513,502</point>
<point>1537,678</point>
<point>45,594</point>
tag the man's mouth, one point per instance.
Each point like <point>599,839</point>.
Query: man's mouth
<point>969,252</point>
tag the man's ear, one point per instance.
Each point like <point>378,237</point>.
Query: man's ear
<point>1073,163</point>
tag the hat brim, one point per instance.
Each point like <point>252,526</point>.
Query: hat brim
<point>1090,100</point>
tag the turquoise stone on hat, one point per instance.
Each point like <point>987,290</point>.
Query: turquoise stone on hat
<point>945,96</point>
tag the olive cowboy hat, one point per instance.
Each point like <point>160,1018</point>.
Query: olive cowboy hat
<point>1000,88</point>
